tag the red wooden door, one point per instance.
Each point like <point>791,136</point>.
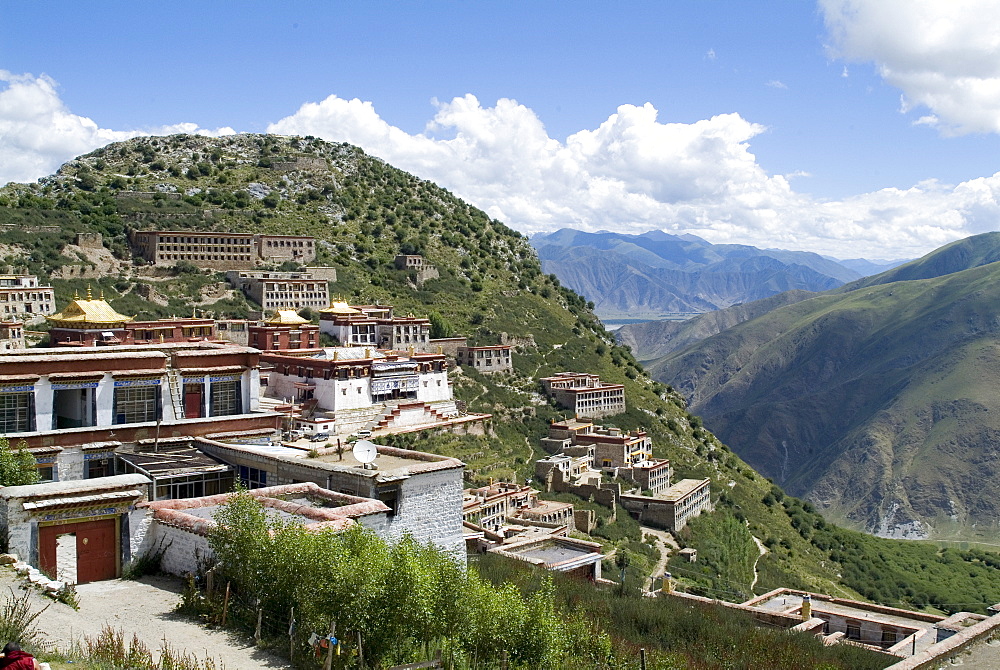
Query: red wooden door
<point>47,549</point>
<point>192,404</point>
<point>96,549</point>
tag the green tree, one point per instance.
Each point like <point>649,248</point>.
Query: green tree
<point>17,468</point>
<point>440,327</point>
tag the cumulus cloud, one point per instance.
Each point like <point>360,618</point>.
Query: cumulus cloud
<point>38,133</point>
<point>634,173</point>
<point>944,56</point>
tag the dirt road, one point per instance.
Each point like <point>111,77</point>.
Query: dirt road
<point>144,608</point>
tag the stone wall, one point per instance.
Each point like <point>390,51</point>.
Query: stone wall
<point>605,494</point>
<point>447,345</point>
<point>650,511</point>
<point>183,551</point>
<point>430,508</point>
<point>322,272</point>
<point>90,240</point>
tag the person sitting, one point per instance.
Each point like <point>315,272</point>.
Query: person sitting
<point>13,658</point>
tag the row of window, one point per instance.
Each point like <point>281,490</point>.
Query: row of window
<point>295,288</point>
<point>289,243</point>
<point>241,241</point>
<point>26,297</point>
<point>132,404</point>
<point>205,257</point>
<point>293,303</point>
<point>28,309</point>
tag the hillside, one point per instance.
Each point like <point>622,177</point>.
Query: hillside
<point>960,255</point>
<point>655,339</point>
<point>655,275</point>
<point>877,404</point>
<point>491,287</point>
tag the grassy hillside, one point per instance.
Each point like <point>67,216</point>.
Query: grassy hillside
<point>364,212</point>
<point>878,404</point>
<point>961,255</point>
<point>656,339</point>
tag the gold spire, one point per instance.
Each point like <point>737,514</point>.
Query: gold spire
<point>90,294</point>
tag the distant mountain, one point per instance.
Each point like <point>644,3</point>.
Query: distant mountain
<point>655,275</point>
<point>876,400</point>
<point>970,252</point>
<point>866,268</point>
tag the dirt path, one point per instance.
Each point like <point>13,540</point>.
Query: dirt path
<point>144,608</point>
<point>666,544</point>
<point>763,550</point>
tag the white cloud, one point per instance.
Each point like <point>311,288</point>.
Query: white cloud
<point>943,55</point>
<point>631,173</point>
<point>38,133</point>
<point>776,83</point>
<point>710,54</point>
<point>634,173</point>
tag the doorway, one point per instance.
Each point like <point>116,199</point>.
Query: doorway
<point>90,549</point>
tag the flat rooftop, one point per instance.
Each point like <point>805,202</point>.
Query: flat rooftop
<point>389,461</point>
<point>571,424</point>
<point>305,504</point>
<point>790,602</point>
<point>680,489</point>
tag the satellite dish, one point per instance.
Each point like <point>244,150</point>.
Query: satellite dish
<point>364,451</point>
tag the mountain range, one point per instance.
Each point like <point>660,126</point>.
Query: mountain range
<point>657,275</point>
<point>876,400</point>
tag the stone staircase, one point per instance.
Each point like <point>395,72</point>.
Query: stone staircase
<point>415,413</point>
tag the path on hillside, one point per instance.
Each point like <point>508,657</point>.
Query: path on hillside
<point>666,544</point>
<point>144,608</point>
<point>762,550</point>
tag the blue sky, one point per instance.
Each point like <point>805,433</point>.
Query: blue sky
<point>776,123</point>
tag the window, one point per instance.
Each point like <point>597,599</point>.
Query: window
<point>101,465</point>
<point>853,630</point>
<point>390,496</point>
<point>889,636</point>
<point>137,404</point>
<point>17,412</point>
<point>252,478</point>
<point>225,398</point>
